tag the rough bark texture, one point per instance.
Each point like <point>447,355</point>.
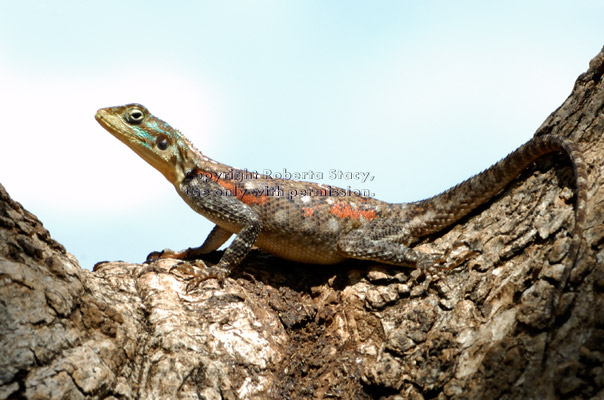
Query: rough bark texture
<point>495,327</point>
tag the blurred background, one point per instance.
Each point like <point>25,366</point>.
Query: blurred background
<point>421,95</point>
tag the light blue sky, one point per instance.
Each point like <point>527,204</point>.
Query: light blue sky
<point>421,94</point>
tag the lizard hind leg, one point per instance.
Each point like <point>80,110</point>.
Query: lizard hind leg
<point>387,242</point>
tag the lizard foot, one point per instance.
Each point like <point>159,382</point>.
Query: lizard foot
<point>435,264</point>
<point>167,253</point>
<point>432,264</point>
<point>197,272</point>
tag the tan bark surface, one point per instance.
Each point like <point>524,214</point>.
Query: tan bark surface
<point>501,325</point>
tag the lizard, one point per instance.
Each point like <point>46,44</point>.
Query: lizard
<point>310,222</point>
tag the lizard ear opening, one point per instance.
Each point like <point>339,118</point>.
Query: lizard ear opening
<point>162,143</point>
<point>134,116</point>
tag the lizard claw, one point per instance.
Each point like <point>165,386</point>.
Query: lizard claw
<point>162,254</point>
<point>154,256</point>
<point>197,272</point>
<point>195,281</point>
<point>432,264</point>
<point>186,269</point>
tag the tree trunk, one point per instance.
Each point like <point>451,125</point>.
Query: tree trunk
<point>504,324</point>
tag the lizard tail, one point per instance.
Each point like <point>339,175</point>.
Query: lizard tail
<point>453,204</point>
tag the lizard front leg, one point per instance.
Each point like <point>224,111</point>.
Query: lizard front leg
<point>216,238</point>
<point>233,213</point>
<point>198,271</point>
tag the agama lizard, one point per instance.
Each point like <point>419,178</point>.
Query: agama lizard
<point>310,222</point>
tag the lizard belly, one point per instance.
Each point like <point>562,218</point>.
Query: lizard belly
<point>301,249</point>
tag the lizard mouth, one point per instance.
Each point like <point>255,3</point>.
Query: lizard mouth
<point>112,124</point>
<point>101,117</point>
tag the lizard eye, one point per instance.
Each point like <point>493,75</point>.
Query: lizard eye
<point>162,144</point>
<point>135,116</point>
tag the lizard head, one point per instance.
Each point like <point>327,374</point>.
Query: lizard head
<point>151,138</point>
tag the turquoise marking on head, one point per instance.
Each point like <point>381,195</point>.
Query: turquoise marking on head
<point>144,137</point>
<point>160,126</point>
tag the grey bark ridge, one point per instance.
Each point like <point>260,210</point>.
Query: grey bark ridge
<point>498,326</point>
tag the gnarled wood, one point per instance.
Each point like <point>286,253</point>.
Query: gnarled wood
<point>498,326</point>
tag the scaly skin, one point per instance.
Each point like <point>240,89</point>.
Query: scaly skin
<point>309,222</point>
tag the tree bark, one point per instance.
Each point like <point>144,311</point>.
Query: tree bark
<point>504,324</point>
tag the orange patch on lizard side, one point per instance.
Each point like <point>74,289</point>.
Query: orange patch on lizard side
<point>241,193</point>
<point>236,190</point>
<point>344,210</point>
<point>308,211</point>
